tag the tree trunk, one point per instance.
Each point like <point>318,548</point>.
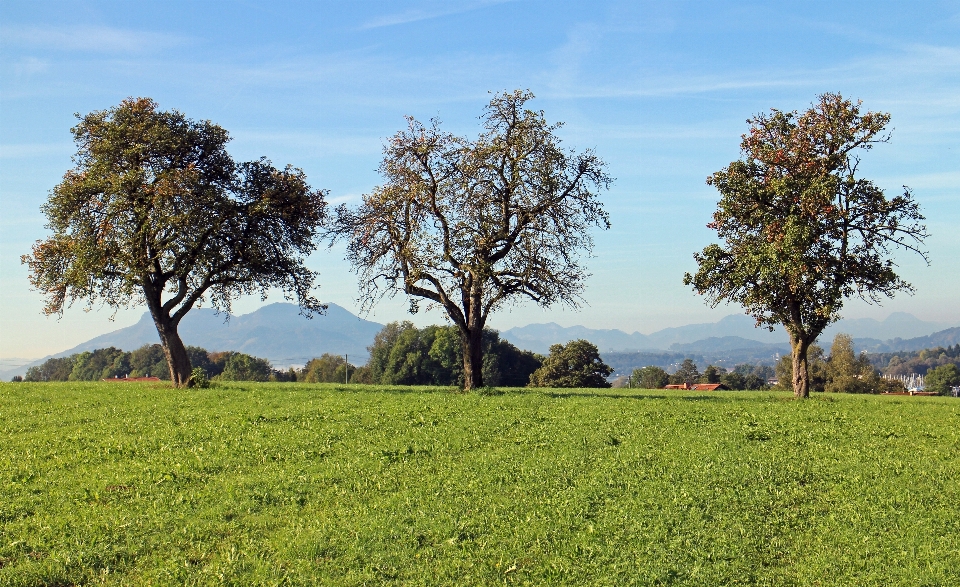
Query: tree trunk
<point>801,371</point>
<point>472,358</point>
<point>173,350</point>
<point>176,354</point>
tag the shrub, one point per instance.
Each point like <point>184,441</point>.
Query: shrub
<point>198,378</point>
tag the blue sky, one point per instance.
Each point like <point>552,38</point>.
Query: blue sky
<point>661,90</point>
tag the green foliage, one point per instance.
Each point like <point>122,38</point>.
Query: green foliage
<point>942,379</point>
<point>712,374</point>
<point>16,379</point>
<point>649,377</point>
<point>327,368</point>
<point>848,373</point>
<point>303,484</point>
<point>198,378</point>
<point>575,364</point>
<point>402,354</point>
<point>801,232</point>
<point>99,364</point>
<point>916,362</point>
<point>686,373</point>
<point>149,361</point>
<point>55,369</point>
<point>199,357</point>
<point>362,375</point>
<point>243,367</point>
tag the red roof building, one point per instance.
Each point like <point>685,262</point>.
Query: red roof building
<point>709,387</point>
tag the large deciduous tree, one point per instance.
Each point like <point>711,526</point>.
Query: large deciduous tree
<point>472,225</point>
<point>802,232</point>
<point>156,212</point>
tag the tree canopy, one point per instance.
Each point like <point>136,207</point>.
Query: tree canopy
<point>470,226</point>
<point>575,364</point>
<point>801,231</point>
<point>156,212</point>
<point>649,377</point>
<point>942,379</point>
<point>405,355</point>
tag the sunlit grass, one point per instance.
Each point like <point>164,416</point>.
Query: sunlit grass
<point>263,484</point>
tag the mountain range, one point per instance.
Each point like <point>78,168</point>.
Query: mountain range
<point>280,334</point>
<point>733,331</point>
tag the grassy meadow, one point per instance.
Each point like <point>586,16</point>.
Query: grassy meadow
<point>298,484</point>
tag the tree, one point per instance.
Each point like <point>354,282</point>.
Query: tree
<point>243,367</point>
<point>686,373</point>
<point>404,355</point>
<point>941,379</point>
<point>649,377</point>
<point>846,372</point>
<point>157,212</point>
<point>712,374</point>
<point>100,364</point>
<point>802,232</point>
<point>149,361</point>
<point>471,226</point>
<point>54,369</point>
<point>576,364</point>
<point>326,369</point>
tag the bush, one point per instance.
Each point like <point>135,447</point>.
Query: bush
<point>198,378</point>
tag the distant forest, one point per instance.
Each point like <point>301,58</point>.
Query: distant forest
<point>915,362</point>
<point>400,355</point>
<point>405,355</point>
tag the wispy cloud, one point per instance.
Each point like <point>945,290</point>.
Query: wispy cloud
<point>97,39</point>
<point>418,14</point>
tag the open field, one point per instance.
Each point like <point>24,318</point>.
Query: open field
<point>266,484</point>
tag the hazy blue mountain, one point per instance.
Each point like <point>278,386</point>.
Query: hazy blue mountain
<point>624,363</point>
<point>738,325</point>
<point>276,332</point>
<point>943,338</point>
<point>718,343</point>
<point>539,337</point>
<point>896,325</point>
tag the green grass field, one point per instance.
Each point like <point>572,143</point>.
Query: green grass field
<point>295,484</point>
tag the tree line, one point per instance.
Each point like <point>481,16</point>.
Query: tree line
<point>401,354</point>
<point>916,362</point>
<point>157,212</point>
<point>150,361</point>
<point>840,371</point>
<point>741,377</point>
